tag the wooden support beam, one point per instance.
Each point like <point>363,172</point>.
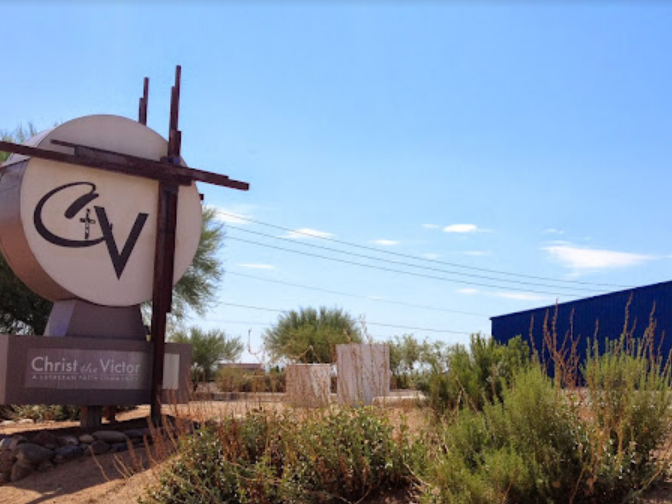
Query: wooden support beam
<point>144,101</point>
<point>164,258</point>
<point>164,252</point>
<point>84,158</point>
<point>125,163</point>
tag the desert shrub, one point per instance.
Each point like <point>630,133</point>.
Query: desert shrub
<point>519,449</point>
<point>332,456</point>
<point>5,412</point>
<point>241,380</point>
<point>42,412</point>
<point>628,404</point>
<point>477,375</point>
<point>537,442</point>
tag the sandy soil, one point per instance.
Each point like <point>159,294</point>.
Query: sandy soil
<point>121,478</point>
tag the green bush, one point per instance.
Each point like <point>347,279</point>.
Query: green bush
<point>536,442</point>
<point>519,449</point>
<point>629,402</point>
<point>42,412</point>
<point>477,375</point>
<point>335,456</point>
<point>508,433</point>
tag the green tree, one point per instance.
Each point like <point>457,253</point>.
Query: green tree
<point>24,312</point>
<point>207,349</point>
<point>413,361</point>
<point>197,288</point>
<point>310,335</point>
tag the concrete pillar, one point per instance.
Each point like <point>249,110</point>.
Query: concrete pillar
<point>76,318</point>
<point>308,385</point>
<point>363,373</point>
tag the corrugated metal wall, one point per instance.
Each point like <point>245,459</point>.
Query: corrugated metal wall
<point>608,309</point>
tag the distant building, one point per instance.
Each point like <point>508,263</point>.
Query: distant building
<point>608,311</point>
<point>252,367</point>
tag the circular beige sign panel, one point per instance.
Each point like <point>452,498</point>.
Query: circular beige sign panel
<point>75,232</point>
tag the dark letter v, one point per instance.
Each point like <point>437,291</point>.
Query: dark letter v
<point>119,260</point>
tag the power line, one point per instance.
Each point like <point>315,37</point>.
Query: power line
<point>383,268</point>
<point>328,291</point>
<point>417,328</point>
<point>365,322</point>
<point>241,322</point>
<point>428,268</point>
<point>252,307</point>
<point>418,258</point>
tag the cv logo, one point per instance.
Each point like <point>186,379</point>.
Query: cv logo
<point>119,259</point>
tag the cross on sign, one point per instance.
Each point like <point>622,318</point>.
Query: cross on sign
<point>87,221</point>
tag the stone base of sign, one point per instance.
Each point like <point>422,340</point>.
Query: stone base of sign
<point>363,373</point>
<point>88,371</point>
<point>80,319</point>
<point>308,385</point>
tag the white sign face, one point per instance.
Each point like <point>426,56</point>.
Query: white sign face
<point>75,232</point>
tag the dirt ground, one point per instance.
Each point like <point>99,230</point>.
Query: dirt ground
<point>121,478</point>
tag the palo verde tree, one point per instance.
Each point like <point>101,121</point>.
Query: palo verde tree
<point>24,312</point>
<point>310,335</point>
<point>207,349</point>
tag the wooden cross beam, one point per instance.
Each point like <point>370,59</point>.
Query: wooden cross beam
<point>124,163</point>
<point>170,175</point>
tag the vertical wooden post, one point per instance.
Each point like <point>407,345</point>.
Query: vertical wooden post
<point>163,284</point>
<point>144,101</point>
<point>164,253</point>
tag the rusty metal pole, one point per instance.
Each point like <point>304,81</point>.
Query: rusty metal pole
<point>144,101</point>
<point>164,254</point>
<point>163,284</point>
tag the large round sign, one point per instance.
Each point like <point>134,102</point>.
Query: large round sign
<point>75,232</point>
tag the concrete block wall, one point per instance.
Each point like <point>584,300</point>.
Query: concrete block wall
<point>363,373</point>
<point>308,385</point>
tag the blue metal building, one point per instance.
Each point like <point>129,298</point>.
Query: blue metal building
<point>607,310</point>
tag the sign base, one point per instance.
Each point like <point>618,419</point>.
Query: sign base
<point>80,319</point>
<point>88,371</point>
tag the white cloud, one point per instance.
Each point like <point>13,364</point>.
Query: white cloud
<point>387,243</point>
<point>436,256</point>
<point>257,266</point>
<point>464,228</point>
<point>307,233</point>
<point>468,290</point>
<point>553,231</point>
<point>522,296</point>
<point>579,258</point>
<point>431,226</point>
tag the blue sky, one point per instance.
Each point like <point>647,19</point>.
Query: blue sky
<point>520,138</point>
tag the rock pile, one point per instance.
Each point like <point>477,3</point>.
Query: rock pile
<point>20,456</point>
